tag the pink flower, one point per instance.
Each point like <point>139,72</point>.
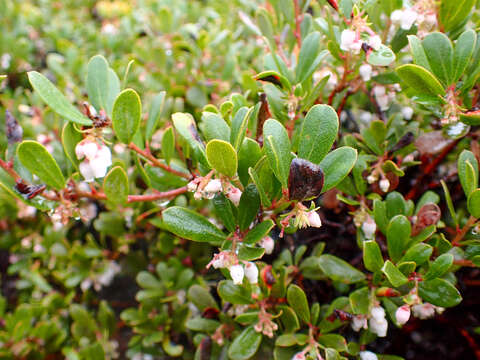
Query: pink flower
<point>402,314</point>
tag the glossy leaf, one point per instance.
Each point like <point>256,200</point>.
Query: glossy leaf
<point>339,270</point>
<point>318,133</point>
<point>277,148</point>
<point>393,275</point>
<point>309,57</point>
<point>232,293</point>
<point>222,157</point>
<point>439,51</point>
<point>168,144</point>
<point>259,232</point>
<point>398,234</point>
<point>468,171</point>
<point>439,267</point>
<point>372,256</point>
<point>97,82</point>
<point>420,79</point>
<point>474,203</point>
<point>154,113</point>
<point>245,345</point>
<point>248,207</point>
<point>454,12</point>
<point>188,224</point>
<point>337,165</point>
<point>298,301</point>
<point>439,292</point>
<point>463,53</point>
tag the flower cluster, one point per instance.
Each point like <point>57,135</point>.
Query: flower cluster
<point>227,259</point>
<point>96,158</point>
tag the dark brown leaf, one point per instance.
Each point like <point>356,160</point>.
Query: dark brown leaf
<point>305,180</point>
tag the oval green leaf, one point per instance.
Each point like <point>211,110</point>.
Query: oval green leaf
<point>115,186</point>
<point>245,345</point>
<point>298,301</point>
<point>55,99</point>
<point>277,148</point>
<point>222,157</point>
<point>126,114</point>
<point>38,161</point>
<point>420,79</point>
<point>318,133</point>
<point>439,292</point>
<point>188,224</point>
<point>337,165</point>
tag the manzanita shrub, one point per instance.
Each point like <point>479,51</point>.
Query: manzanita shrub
<point>197,168</point>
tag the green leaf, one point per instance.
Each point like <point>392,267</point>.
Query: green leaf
<point>360,300</point>
<point>372,256</point>
<point>277,148</point>
<point>201,324</point>
<point>224,210</point>
<point>70,138</point>
<point>248,156</point>
<point>474,203</point>
<point>439,292</point>
<point>38,161</point>
<point>245,345</point>
<point>261,191</point>
<point>247,253</point>
<point>454,12</point>
<point>420,80</point>
<point>234,294</point>
<point>248,207</point>
<point>185,126</point>
<point>393,275</point>
<point>7,183</point>
<point>384,56</point>
<point>309,57</point>
<point>337,165</point>
<point>214,127</point>
<point>239,126</point>
<point>168,144</point>
<point>55,99</point>
<point>439,51</point>
<point>113,90</point>
<point>467,166</point>
<point>298,301</point>
<point>439,267</point>
<point>97,82</point>
<point>115,186</point>
<point>463,53</point>
<point>418,253</point>
<point>339,270</point>
<point>126,114</point>
<point>188,224</point>
<point>148,281</point>
<point>222,157</point>
<point>201,298</point>
<point>333,341</point>
<point>448,200</point>
<point>398,234</point>
<point>259,232</point>
<point>156,109</point>
<point>318,133</point>
<point>419,56</point>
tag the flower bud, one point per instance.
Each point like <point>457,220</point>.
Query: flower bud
<point>375,42</point>
<point>369,227</point>
<point>423,311</point>
<point>213,186</point>
<point>192,186</point>
<point>371,179</point>
<point>251,272</point>
<point>314,219</point>
<point>407,112</point>
<point>234,194</point>
<point>237,273</point>
<point>299,356</point>
<point>268,244</point>
<point>378,313</point>
<point>402,314</point>
<point>384,185</point>
<point>365,72</point>
<point>367,355</point>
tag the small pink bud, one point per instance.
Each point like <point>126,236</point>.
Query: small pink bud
<point>314,219</point>
<point>402,314</point>
<point>268,244</point>
<point>234,195</point>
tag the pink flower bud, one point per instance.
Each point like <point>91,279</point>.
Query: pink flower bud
<point>234,195</point>
<point>402,314</point>
<point>314,219</point>
<point>213,186</point>
<point>369,227</point>
<point>268,244</point>
<point>384,185</point>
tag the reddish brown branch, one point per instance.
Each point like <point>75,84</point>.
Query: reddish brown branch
<point>156,162</point>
